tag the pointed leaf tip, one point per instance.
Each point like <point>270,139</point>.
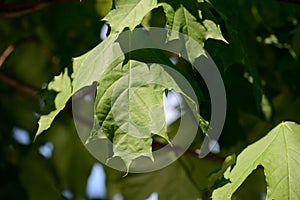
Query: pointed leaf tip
<point>278,151</point>
<point>62,85</point>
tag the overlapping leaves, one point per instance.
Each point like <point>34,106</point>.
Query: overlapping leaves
<point>190,22</point>
<point>129,99</point>
<point>131,124</point>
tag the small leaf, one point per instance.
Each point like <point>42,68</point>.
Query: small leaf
<point>229,161</point>
<point>213,31</point>
<point>129,13</point>
<point>62,85</point>
<point>183,21</point>
<point>279,153</point>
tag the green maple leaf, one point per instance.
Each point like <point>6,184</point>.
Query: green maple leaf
<point>128,13</point>
<point>129,108</point>
<point>279,153</point>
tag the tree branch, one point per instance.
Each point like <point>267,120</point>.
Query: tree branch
<point>22,87</point>
<point>14,10</point>
<point>12,47</point>
<point>6,53</point>
<point>193,153</point>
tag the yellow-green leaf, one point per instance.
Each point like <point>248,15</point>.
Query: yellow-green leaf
<point>279,153</point>
<point>62,85</point>
<point>129,13</point>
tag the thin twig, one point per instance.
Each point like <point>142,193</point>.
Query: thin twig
<point>12,47</point>
<point>14,10</point>
<point>193,153</point>
<point>22,87</point>
<point>6,53</point>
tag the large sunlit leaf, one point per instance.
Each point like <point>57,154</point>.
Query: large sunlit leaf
<point>279,153</point>
<point>129,107</point>
<point>129,101</point>
<point>128,13</point>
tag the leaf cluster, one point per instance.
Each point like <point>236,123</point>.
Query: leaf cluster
<point>255,45</point>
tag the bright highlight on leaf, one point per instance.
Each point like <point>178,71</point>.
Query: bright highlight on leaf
<point>62,85</point>
<point>279,153</point>
<point>128,14</point>
<point>129,108</point>
<point>213,31</point>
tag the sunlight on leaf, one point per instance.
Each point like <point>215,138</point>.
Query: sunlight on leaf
<point>129,107</point>
<point>213,31</point>
<point>128,13</point>
<point>278,152</point>
<point>62,85</point>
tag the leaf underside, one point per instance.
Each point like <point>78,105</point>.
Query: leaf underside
<point>125,110</point>
<point>129,109</point>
